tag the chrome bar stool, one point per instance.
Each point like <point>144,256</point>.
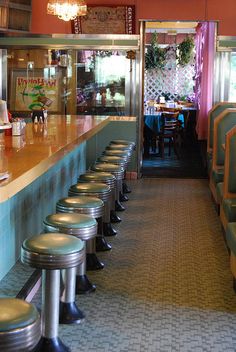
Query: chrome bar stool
<point>127,155</point>
<point>123,141</point>
<point>81,226</point>
<point>20,326</point>
<point>53,252</point>
<point>90,206</point>
<point>117,161</point>
<point>118,172</point>
<point>108,179</point>
<point>99,190</point>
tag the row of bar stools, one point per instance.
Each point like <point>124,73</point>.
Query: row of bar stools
<point>118,172</point>
<point>108,179</point>
<point>99,190</point>
<point>20,326</point>
<point>95,208</point>
<point>83,227</point>
<point>53,252</point>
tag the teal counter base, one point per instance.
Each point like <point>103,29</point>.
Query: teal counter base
<point>22,215</point>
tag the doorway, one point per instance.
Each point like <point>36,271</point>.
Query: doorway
<point>170,85</point>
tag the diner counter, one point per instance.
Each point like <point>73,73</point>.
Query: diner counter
<point>41,146</point>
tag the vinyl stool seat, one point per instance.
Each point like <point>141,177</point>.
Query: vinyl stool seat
<point>52,252</point>
<point>81,226</point>
<point>99,190</point>
<point>123,141</point>
<point>20,325</point>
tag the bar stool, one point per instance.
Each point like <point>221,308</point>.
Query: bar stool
<point>108,179</point>
<point>126,154</point>
<point>118,172</point>
<point>81,226</point>
<point>123,141</point>
<point>53,252</point>
<point>99,190</point>
<point>117,161</point>
<point>20,325</point>
<point>95,208</point>
<point>124,147</point>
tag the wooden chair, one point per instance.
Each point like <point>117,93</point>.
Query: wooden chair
<point>169,130</point>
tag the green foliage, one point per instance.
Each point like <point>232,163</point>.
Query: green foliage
<point>155,56</point>
<point>185,51</point>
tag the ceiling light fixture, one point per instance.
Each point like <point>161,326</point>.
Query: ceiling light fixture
<point>67,10</point>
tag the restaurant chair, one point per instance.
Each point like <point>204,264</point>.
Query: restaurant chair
<point>169,130</point>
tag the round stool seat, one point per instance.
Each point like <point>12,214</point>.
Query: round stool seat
<point>116,170</point>
<point>123,141</point>
<point>113,160</point>
<point>104,177</point>
<point>77,224</point>
<point>117,152</point>
<point>52,251</point>
<point>20,328</point>
<point>83,205</point>
<point>119,146</point>
<point>96,189</point>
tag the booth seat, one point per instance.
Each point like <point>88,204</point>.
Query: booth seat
<point>222,124</point>
<point>212,115</point>
<point>228,204</point>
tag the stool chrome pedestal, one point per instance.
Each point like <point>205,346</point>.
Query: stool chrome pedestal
<point>52,252</point>
<point>81,226</point>
<point>90,206</point>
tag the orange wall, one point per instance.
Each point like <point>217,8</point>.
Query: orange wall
<point>200,10</point>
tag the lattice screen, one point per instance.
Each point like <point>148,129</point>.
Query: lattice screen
<point>174,81</point>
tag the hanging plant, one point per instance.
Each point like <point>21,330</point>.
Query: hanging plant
<point>185,51</point>
<point>155,56</point>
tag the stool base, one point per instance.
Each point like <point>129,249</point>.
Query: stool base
<point>70,313</point>
<point>102,245</point>
<point>123,198</point>
<point>125,188</point>
<point>114,218</point>
<point>92,262</point>
<point>51,345</point>
<point>108,229</point>
<point>83,285</point>
<point>119,206</point>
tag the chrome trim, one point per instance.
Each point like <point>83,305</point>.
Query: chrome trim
<point>94,212</point>
<point>84,234</point>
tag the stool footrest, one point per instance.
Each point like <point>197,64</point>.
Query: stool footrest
<point>70,313</point>
<point>123,197</point>
<point>83,285</point>
<point>92,262</point>
<point>52,345</point>
<point>114,218</point>
<point>102,245</point>
<point>125,188</point>
<point>108,229</point>
<point>119,206</point>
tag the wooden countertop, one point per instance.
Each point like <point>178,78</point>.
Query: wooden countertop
<point>41,146</point>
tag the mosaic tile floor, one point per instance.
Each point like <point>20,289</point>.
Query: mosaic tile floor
<point>167,285</point>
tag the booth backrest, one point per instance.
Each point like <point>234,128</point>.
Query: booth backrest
<point>222,124</point>
<point>212,115</point>
<point>230,163</point>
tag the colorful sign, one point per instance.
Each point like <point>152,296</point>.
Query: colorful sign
<point>107,19</point>
<point>36,93</point>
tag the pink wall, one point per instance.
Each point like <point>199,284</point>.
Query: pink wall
<point>217,10</point>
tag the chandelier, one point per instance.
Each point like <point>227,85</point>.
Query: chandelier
<point>67,10</point>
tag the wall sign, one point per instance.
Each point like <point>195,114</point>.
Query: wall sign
<point>107,19</point>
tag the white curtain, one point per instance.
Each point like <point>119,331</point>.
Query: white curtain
<point>222,76</point>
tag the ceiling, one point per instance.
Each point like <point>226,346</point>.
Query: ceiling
<point>171,27</point>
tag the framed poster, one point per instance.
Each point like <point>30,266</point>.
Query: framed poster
<point>33,92</point>
<point>107,19</point>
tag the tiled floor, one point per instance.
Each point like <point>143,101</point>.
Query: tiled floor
<point>166,285</point>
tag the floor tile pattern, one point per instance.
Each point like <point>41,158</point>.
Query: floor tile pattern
<point>166,285</point>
